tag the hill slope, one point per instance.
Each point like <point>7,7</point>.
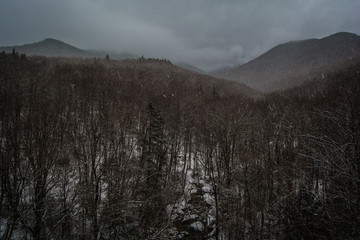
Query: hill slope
<point>50,48</point>
<point>56,48</point>
<point>288,65</point>
<point>142,149</point>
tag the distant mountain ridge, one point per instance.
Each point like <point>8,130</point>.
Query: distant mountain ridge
<point>290,64</point>
<point>284,66</point>
<point>50,47</point>
<point>190,67</point>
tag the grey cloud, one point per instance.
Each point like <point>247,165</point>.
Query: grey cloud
<point>206,33</point>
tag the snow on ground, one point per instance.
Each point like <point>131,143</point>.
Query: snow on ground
<point>206,188</point>
<point>209,199</point>
<point>188,217</point>
<point>197,226</point>
<point>195,210</point>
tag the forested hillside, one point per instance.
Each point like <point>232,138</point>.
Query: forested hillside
<point>290,64</point>
<point>50,47</point>
<point>142,149</point>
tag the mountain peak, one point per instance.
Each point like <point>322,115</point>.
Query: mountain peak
<point>289,64</point>
<point>343,35</point>
<point>49,47</point>
<point>55,42</point>
<point>51,40</point>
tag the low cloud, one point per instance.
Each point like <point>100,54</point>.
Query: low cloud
<point>206,33</point>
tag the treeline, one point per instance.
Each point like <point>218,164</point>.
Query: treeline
<point>100,149</point>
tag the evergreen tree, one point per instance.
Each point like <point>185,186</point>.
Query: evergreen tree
<point>154,159</point>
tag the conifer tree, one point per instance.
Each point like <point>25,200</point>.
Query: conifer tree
<point>154,158</point>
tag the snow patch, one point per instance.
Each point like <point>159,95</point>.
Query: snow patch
<point>209,199</point>
<point>211,220</point>
<point>197,226</point>
<point>188,217</point>
<point>206,188</point>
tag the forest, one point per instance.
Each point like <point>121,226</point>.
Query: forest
<point>142,149</point>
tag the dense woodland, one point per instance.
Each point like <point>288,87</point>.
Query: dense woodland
<point>142,149</point>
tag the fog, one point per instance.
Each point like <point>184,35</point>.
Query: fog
<point>208,34</point>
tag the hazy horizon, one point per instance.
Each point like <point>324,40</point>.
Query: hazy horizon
<point>206,34</point>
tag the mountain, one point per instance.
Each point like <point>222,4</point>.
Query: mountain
<point>50,48</point>
<point>56,48</point>
<point>162,71</point>
<point>143,149</point>
<point>290,64</point>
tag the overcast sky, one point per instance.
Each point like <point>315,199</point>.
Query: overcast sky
<point>206,33</point>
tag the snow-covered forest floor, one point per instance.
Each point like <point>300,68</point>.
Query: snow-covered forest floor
<point>142,149</point>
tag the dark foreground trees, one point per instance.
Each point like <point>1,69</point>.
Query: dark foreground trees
<point>140,149</point>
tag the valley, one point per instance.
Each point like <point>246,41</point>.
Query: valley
<point>139,148</point>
